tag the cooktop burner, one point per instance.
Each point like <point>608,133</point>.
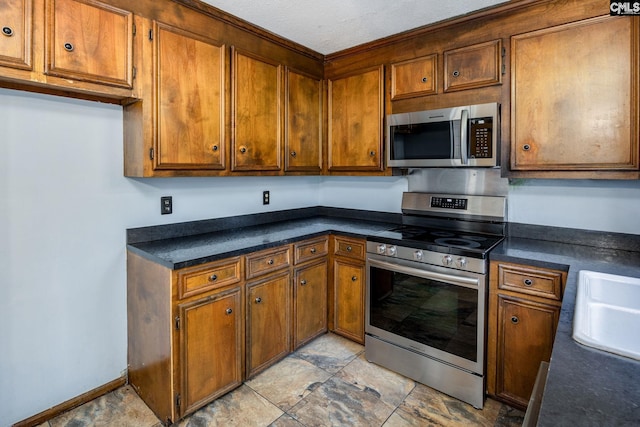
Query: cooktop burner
<point>440,240</point>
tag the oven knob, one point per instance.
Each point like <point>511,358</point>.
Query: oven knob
<point>462,262</point>
<point>391,250</point>
<point>447,260</point>
<point>382,249</point>
<point>417,255</point>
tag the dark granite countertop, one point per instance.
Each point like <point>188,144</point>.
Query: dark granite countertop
<point>585,386</point>
<point>185,251</point>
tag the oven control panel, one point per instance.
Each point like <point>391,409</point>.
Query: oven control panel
<point>448,203</point>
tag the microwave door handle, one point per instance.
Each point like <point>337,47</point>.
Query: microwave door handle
<point>464,127</point>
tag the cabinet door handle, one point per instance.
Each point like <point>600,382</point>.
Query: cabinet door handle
<point>228,311</point>
<point>258,300</point>
<point>424,80</point>
<point>372,153</point>
<point>213,277</point>
<point>293,154</point>
<point>528,282</point>
<point>526,147</point>
<point>515,320</point>
<point>7,31</point>
<point>214,148</point>
<point>68,47</point>
<point>456,73</point>
<point>349,248</point>
<point>354,278</point>
<point>243,149</point>
<point>303,282</point>
<point>312,250</point>
<point>270,262</point>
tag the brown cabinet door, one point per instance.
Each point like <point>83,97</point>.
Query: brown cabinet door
<point>15,40</point>
<point>355,122</point>
<point>525,335</point>
<point>210,348</point>
<point>190,81</point>
<point>473,66</point>
<point>303,116</point>
<point>257,118</point>
<point>268,322</point>
<point>575,96</point>
<point>416,77</point>
<point>310,302</point>
<point>89,41</point>
<point>348,299</point>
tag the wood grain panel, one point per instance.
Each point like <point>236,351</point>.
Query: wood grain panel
<point>16,36</point>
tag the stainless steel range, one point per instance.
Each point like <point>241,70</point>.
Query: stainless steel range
<point>427,288</point>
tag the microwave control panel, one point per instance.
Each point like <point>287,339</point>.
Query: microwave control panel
<point>481,138</point>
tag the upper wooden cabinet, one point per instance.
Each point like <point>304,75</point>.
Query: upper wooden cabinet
<point>473,66</point>
<point>303,118</point>
<point>256,143</point>
<point>415,77</point>
<point>189,115</point>
<point>575,96</point>
<point>15,40</point>
<point>90,41</point>
<point>356,110</point>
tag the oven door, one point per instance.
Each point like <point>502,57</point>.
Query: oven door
<point>435,311</point>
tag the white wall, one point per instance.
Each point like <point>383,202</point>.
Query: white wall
<point>65,206</point>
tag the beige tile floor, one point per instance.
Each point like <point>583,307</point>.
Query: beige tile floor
<point>325,383</point>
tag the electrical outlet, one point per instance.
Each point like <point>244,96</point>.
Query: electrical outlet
<point>166,205</point>
<point>265,197</point>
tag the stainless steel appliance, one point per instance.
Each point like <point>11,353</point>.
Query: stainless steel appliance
<point>426,295</point>
<point>465,136</point>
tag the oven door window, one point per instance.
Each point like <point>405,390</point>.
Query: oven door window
<point>433,313</point>
<point>423,141</point>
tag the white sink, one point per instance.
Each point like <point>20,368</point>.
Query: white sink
<point>607,313</point>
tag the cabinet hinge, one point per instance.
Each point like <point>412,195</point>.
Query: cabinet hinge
<point>135,72</point>
<point>150,34</point>
<point>178,402</point>
<point>177,322</point>
<point>134,29</point>
<point>150,153</point>
<point>504,66</point>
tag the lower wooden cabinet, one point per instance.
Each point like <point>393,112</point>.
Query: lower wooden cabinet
<point>348,292</point>
<point>524,308</point>
<point>210,342</point>
<point>309,302</point>
<point>268,321</point>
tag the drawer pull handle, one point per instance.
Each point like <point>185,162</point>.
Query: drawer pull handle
<point>7,31</point>
<point>354,278</point>
<point>228,311</point>
<point>348,248</point>
<point>258,300</point>
<point>528,282</point>
<point>68,47</point>
<point>515,320</point>
<point>303,282</point>
<point>213,277</point>
<point>312,250</point>
<point>270,262</point>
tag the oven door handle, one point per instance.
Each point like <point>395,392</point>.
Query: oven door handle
<point>467,282</point>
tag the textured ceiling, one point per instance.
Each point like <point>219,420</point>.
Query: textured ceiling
<point>328,26</point>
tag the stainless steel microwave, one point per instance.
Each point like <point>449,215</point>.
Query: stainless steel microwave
<point>450,137</point>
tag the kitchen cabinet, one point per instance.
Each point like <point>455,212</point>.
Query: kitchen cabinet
<point>415,77</point>
<point>89,41</point>
<point>524,308</point>
<point>348,290</point>
<point>268,308</point>
<point>355,115</point>
<point>310,290</point>
<point>303,118</point>
<point>574,98</point>
<point>15,42</point>
<point>473,66</point>
<point>256,143</point>
<point>185,333</point>
<point>189,73</point>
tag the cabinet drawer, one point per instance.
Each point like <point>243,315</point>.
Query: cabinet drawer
<point>533,281</point>
<point>351,248</point>
<point>267,261</point>
<point>196,280</point>
<point>310,249</point>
